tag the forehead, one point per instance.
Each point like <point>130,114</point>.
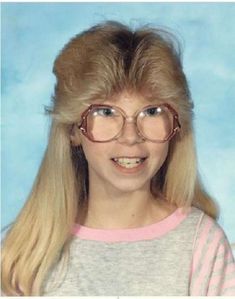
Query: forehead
<point>129,101</point>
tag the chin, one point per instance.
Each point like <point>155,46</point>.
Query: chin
<point>130,187</point>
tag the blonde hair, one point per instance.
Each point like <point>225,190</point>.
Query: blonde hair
<point>103,61</point>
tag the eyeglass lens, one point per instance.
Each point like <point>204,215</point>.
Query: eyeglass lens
<point>105,123</point>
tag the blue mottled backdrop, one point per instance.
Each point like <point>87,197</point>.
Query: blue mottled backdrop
<point>32,35</point>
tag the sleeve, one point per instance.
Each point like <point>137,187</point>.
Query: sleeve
<point>213,266</point>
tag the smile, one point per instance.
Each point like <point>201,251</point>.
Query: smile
<point>129,162</point>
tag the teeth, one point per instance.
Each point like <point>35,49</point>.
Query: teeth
<point>128,162</point>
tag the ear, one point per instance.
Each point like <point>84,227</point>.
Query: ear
<point>75,136</point>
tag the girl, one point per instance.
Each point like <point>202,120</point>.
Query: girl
<point>117,207</point>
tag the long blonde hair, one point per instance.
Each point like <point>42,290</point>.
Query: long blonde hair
<point>107,59</point>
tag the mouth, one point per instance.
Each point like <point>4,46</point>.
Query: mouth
<point>128,162</point>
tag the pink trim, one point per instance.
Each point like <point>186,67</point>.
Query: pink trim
<point>132,234</point>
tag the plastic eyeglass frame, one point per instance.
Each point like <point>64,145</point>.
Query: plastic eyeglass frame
<point>83,126</point>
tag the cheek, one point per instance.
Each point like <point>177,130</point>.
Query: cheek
<point>88,149</point>
<point>161,152</point>
<point>93,151</point>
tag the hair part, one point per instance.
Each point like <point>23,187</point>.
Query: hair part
<point>95,65</point>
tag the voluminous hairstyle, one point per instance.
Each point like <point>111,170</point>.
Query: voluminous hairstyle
<point>97,64</point>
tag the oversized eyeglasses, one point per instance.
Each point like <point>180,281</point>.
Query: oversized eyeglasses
<point>104,123</point>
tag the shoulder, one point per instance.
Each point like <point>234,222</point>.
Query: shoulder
<point>209,236</point>
<point>192,220</point>
<point>213,268</point>
<point>210,232</point>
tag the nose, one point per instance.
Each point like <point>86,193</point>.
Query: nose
<point>129,134</point>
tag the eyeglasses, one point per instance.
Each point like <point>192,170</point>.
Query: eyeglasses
<point>104,123</point>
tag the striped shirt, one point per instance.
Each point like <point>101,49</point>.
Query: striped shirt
<point>185,254</point>
<point>213,268</point>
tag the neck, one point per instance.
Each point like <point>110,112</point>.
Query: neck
<point>110,210</point>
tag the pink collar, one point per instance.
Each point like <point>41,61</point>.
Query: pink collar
<point>148,232</point>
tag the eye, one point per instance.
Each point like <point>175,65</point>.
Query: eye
<point>104,111</point>
<point>152,111</point>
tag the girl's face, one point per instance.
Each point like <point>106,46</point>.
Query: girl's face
<point>128,163</point>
